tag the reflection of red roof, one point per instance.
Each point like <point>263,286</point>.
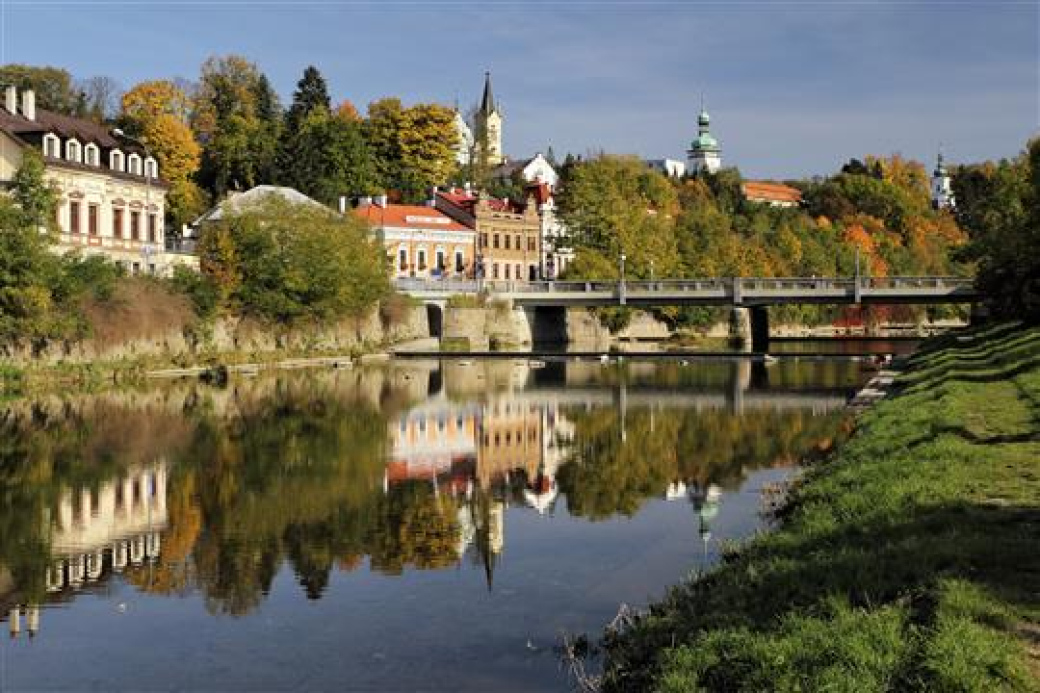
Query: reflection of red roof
<point>408,217</point>
<point>763,191</point>
<point>542,484</point>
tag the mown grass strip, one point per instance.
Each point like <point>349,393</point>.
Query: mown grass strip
<point>906,561</point>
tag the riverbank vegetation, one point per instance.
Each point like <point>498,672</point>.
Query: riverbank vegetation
<point>905,561</point>
<point>703,226</point>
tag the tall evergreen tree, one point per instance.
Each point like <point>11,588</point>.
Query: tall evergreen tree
<point>299,151</point>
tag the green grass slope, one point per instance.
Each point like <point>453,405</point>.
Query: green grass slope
<point>909,560</point>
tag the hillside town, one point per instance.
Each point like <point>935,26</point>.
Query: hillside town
<point>113,197</point>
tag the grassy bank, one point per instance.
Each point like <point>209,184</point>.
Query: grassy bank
<point>910,560</point>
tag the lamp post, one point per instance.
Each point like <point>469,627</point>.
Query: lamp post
<point>621,281</point>
<point>651,270</point>
<point>147,250</point>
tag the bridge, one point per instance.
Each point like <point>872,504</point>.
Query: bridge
<point>729,291</point>
<point>749,296</point>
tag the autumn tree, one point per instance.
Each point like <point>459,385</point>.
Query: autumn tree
<point>413,148</point>
<point>158,112</point>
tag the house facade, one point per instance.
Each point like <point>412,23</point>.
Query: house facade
<point>772,194</point>
<point>111,198</point>
<point>421,241</point>
<point>508,237</point>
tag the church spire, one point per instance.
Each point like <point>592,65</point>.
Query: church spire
<point>487,103</point>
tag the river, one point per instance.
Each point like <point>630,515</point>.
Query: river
<point>421,526</point>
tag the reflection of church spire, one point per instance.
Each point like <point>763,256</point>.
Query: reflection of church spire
<point>705,502</point>
<point>490,535</point>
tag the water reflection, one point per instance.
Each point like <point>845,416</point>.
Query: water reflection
<point>189,490</point>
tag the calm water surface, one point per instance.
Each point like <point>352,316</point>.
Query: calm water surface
<point>421,527</point>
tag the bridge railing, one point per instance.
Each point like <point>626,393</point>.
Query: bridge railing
<point>720,286</point>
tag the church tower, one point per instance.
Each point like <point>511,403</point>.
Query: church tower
<point>942,189</point>
<point>704,153</point>
<point>489,126</point>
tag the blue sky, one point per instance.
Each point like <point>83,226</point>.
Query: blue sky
<point>794,88</point>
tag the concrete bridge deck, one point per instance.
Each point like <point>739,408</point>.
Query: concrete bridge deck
<point>736,291</point>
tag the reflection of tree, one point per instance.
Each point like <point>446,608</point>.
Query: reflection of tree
<point>606,475</point>
<point>414,526</point>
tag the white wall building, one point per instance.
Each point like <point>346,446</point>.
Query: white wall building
<point>942,187</point>
<point>112,200</point>
<point>673,168</point>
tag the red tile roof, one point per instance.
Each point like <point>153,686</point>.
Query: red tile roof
<point>409,217</point>
<point>764,191</point>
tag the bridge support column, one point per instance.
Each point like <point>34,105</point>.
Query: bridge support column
<point>760,328</point>
<point>740,336</point>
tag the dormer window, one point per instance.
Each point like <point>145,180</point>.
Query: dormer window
<point>92,155</point>
<point>134,164</point>
<point>116,160</point>
<point>73,151</point>
<point>51,146</point>
<point>151,168</point>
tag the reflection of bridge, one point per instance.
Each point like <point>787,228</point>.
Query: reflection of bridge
<point>739,291</point>
<point>818,401</point>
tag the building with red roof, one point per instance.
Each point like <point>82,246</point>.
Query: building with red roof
<point>772,194</point>
<point>421,241</point>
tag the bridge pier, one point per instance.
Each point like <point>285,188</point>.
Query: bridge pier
<point>740,328</point>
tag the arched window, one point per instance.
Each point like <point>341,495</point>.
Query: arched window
<point>51,146</point>
<point>116,160</point>
<point>73,151</point>
<point>134,164</point>
<point>402,259</point>
<point>151,168</point>
<point>92,155</point>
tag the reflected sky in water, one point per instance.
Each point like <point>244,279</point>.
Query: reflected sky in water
<point>429,526</point>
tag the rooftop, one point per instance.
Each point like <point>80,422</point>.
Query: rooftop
<point>409,216</point>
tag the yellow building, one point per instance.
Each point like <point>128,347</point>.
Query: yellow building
<point>508,236</point>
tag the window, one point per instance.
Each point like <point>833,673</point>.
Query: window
<point>134,164</point>
<point>402,259</point>
<point>51,146</point>
<point>495,240</point>
<point>73,151</point>
<point>507,272</point>
<point>91,155</point>
<point>483,240</point>
<point>507,241</point>
<point>422,260</point>
<point>518,246</point>
<point>135,226</point>
<point>153,228</point>
<point>92,219</point>
<point>531,245</point>
<point>458,261</point>
<point>494,271</point>
<point>117,222</point>
<point>519,273</point>
<point>150,168</point>
<point>115,160</point>
<point>73,217</point>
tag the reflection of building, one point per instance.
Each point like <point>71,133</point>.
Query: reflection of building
<point>118,523</point>
<point>705,501</point>
<point>96,531</point>
<point>510,439</point>
<point>434,440</point>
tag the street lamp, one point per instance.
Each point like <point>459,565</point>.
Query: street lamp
<point>118,132</point>
<point>621,280</point>
<point>651,271</point>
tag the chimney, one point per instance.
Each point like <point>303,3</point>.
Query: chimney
<point>29,104</point>
<point>381,200</point>
<point>342,204</point>
<point>11,98</point>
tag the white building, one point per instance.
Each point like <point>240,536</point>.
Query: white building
<point>421,241</point>
<point>464,143</point>
<point>673,168</point>
<point>704,153</point>
<point>489,122</point>
<point>942,187</point>
<point>111,198</point>
<point>537,169</point>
